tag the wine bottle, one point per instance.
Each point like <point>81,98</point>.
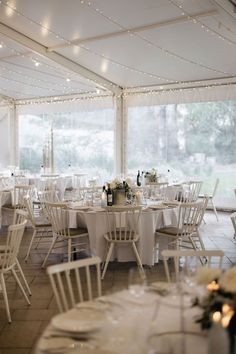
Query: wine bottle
<point>109,196</point>
<point>138,179</point>
<point>103,198</point>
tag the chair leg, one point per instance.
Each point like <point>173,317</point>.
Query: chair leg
<point>215,211</point>
<point>200,240</point>
<point>30,245</point>
<point>49,251</point>
<point>23,277</point>
<point>69,249</point>
<point>137,257</point>
<point>4,290</point>
<point>20,286</point>
<point>107,260</point>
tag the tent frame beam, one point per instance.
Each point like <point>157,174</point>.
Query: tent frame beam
<point>98,80</point>
<point>155,25</point>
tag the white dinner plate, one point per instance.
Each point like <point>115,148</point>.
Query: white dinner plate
<point>93,305</point>
<point>96,351</point>
<point>175,300</point>
<point>81,320</point>
<point>79,207</point>
<point>158,207</point>
<point>161,287</point>
<point>61,344</point>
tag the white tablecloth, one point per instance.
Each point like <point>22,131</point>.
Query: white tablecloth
<point>150,221</point>
<point>138,319</point>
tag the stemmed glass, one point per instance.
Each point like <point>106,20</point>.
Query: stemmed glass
<point>137,283</point>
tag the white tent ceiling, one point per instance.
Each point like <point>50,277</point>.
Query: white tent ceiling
<point>57,47</point>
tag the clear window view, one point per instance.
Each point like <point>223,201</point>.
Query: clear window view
<point>84,140</point>
<point>194,140</point>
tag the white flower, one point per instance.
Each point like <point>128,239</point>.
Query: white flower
<point>116,181</point>
<point>112,185</point>
<point>129,181</point>
<point>228,280</point>
<point>206,275</point>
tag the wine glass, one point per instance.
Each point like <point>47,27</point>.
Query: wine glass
<point>137,283</point>
<point>157,344</point>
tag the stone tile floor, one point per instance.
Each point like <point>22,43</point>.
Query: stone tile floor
<point>28,322</point>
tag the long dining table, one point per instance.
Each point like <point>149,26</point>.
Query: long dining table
<point>151,219</point>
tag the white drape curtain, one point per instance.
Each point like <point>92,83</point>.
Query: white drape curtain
<point>4,136</point>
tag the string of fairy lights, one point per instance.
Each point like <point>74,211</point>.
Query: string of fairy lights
<point>126,67</point>
<point>86,48</point>
<point>203,26</point>
<point>150,42</point>
<point>38,62</point>
<point>100,12</point>
<point>30,78</point>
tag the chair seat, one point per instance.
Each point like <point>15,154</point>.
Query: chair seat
<point>73,232</point>
<point>9,206</point>
<point>42,223</point>
<point>203,196</point>
<point>173,231</point>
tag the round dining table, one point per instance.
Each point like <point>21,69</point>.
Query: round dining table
<point>152,218</point>
<point>132,321</point>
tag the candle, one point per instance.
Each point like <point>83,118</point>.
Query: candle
<point>138,197</point>
<point>218,339</point>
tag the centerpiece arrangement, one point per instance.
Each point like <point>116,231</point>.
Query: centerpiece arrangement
<point>120,190</point>
<point>150,176</point>
<point>219,303</point>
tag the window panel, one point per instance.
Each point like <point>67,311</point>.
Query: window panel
<point>84,140</point>
<point>192,140</point>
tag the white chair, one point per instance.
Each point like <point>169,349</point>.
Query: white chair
<point>188,217</point>
<point>233,219</point>
<point>19,192</point>
<point>157,190</point>
<point>122,228</point>
<point>48,196</point>
<point>62,234</point>
<point>9,262</point>
<point>191,191</point>
<point>67,282</point>
<point>42,228</point>
<point>0,208</point>
<point>209,256</point>
<point>211,198</point>
<point>196,238</point>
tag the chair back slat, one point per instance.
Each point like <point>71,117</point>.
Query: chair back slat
<point>14,238</point>
<point>187,255</point>
<point>79,286</point>
<point>67,285</point>
<point>89,288</point>
<point>191,191</point>
<point>189,215</point>
<point>58,216</point>
<point>61,289</point>
<point>49,196</point>
<point>122,223</point>
<point>19,192</point>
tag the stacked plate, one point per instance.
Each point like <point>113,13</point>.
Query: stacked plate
<point>81,321</point>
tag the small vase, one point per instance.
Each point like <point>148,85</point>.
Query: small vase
<point>119,197</point>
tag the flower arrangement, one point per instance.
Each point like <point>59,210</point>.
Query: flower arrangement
<point>219,300</point>
<point>116,184</point>
<point>151,175</point>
